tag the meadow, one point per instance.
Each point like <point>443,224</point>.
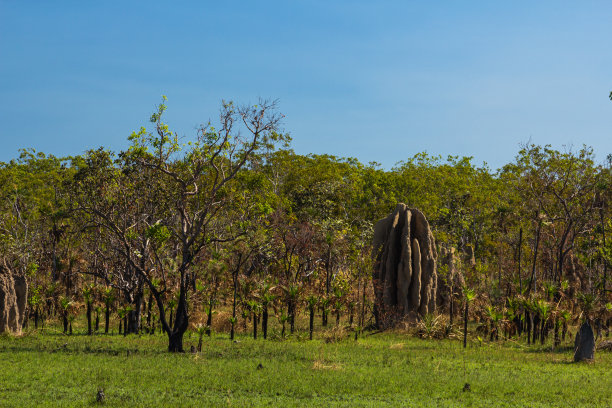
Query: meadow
<point>389,369</point>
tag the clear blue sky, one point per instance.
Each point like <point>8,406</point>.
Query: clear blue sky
<point>379,81</point>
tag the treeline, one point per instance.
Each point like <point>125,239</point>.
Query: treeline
<point>165,232</point>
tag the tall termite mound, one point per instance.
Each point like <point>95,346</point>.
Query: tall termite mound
<point>13,298</point>
<point>405,278</point>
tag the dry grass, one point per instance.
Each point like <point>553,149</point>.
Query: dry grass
<point>324,365</point>
<point>335,334</point>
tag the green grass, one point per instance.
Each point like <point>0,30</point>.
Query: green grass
<point>378,370</point>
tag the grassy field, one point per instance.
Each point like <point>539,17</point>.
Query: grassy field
<point>378,370</point>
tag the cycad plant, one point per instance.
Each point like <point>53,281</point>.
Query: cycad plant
<point>587,305</point>
<point>565,316</point>
<point>293,293</point>
<point>200,329</point>
<point>34,301</point>
<point>543,309</point>
<point>233,321</point>
<point>65,304</point>
<point>266,298</point>
<point>255,309</point>
<point>324,305</point>
<point>495,317</point>
<point>311,301</point>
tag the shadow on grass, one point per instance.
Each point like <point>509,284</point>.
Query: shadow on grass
<point>66,348</point>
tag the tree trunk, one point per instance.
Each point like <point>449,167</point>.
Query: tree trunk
<point>89,330</point>
<point>149,327</point>
<point>255,326</point>
<point>235,278</point>
<point>181,321</point>
<point>65,320</point>
<point>311,326</point>
<point>264,321</point>
<point>465,324</point>
<point>535,327</point>
<point>605,261</point>
<point>134,315</point>
<point>451,307</point>
<point>291,313</point>
<point>209,318</point>
<point>529,318</point>
<point>106,318</point>
<point>532,283</point>
<point>175,342</point>
<point>520,247</point>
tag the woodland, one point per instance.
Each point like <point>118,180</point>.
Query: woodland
<point>231,233</point>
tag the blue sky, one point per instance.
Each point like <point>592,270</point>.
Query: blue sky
<point>379,81</point>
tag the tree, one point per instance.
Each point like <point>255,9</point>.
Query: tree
<point>195,181</point>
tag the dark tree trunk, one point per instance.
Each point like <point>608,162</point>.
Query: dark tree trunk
<point>264,322</point>
<point>106,318</point>
<point>175,342</point>
<point>564,330</point>
<point>291,314</point>
<point>255,326</point>
<point>65,320</point>
<point>451,307</point>
<point>311,326</point>
<point>465,324</point>
<point>529,319</point>
<point>209,319</point>
<point>181,322</point>
<point>149,303</point>
<point>89,330</point>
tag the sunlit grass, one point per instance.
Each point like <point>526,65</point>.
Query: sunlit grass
<point>383,369</point>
